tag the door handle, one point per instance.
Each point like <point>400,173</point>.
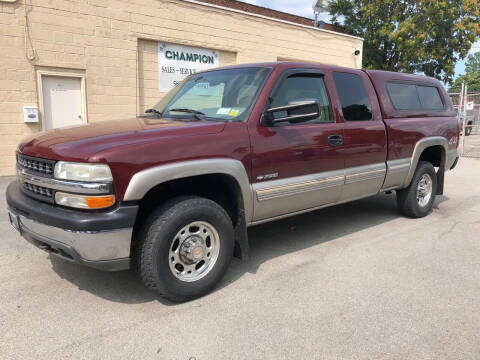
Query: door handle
<point>335,140</point>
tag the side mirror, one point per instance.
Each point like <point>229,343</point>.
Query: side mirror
<point>295,112</point>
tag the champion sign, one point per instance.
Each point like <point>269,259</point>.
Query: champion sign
<point>175,55</point>
<point>177,62</point>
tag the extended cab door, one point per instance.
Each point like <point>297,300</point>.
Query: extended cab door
<point>297,166</point>
<point>365,138</point>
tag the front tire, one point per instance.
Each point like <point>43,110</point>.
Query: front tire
<point>417,199</point>
<point>186,247</point>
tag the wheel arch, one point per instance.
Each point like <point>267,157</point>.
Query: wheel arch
<point>432,149</point>
<point>222,180</point>
<point>220,188</point>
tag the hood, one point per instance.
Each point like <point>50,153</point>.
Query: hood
<point>79,143</point>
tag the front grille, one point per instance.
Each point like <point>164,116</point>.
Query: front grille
<point>39,190</point>
<point>40,168</point>
<point>37,165</point>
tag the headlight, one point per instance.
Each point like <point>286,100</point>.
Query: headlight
<point>82,171</point>
<point>84,201</point>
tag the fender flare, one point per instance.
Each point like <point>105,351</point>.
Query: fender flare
<point>420,146</point>
<point>147,179</point>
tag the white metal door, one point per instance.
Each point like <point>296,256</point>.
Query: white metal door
<point>62,101</point>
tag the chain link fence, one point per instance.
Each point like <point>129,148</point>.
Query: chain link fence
<point>468,109</point>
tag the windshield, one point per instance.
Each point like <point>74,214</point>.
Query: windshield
<point>215,95</point>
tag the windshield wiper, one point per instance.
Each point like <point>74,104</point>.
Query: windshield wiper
<point>153,111</point>
<point>197,114</point>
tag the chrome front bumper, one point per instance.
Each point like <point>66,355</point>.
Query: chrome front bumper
<point>99,239</point>
<point>105,250</point>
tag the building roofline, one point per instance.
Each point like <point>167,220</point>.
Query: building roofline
<point>243,5</point>
<point>197,2</point>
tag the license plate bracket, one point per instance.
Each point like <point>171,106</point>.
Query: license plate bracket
<point>15,221</point>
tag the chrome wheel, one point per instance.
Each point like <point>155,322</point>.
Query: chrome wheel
<point>424,190</point>
<point>194,251</point>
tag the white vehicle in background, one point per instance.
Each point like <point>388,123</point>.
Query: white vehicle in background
<point>469,123</point>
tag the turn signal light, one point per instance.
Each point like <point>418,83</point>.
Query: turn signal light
<point>100,201</point>
<point>84,201</point>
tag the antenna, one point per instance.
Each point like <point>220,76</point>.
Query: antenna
<point>318,7</point>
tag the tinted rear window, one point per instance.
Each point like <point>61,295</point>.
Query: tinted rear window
<point>430,98</point>
<point>353,96</point>
<point>414,97</point>
<point>404,96</point>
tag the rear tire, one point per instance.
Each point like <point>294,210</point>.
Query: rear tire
<point>185,248</point>
<point>417,199</point>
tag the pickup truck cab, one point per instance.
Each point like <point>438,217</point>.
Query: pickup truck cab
<point>173,191</point>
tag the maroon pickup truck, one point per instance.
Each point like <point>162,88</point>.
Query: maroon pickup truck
<point>172,192</point>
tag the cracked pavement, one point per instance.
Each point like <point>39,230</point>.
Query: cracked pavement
<point>355,281</point>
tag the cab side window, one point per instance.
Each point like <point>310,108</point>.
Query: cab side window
<point>356,104</point>
<point>302,87</point>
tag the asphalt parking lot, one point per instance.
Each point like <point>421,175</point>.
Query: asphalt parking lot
<point>472,144</point>
<point>356,281</point>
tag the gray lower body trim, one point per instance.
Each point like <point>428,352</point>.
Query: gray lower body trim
<point>400,171</point>
<point>280,198</point>
<point>305,210</point>
<point>279,217</point>
<point>287,197</point>
<point>451,157</point>
<point>298,188</point>
<point>90,246</point>
<point>363,181</point>
<point>397,172</point>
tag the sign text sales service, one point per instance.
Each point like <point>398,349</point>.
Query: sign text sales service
<point>176,62</point>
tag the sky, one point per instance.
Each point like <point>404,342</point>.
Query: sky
<point>297,7</point>
<point>460,66</point>
<point>304,8</point>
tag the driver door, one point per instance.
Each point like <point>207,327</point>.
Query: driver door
<point>297,166</point>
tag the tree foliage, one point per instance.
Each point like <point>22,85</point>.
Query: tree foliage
<point>427,36</point>
<point>471,76</point>
<point>473,63</point>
